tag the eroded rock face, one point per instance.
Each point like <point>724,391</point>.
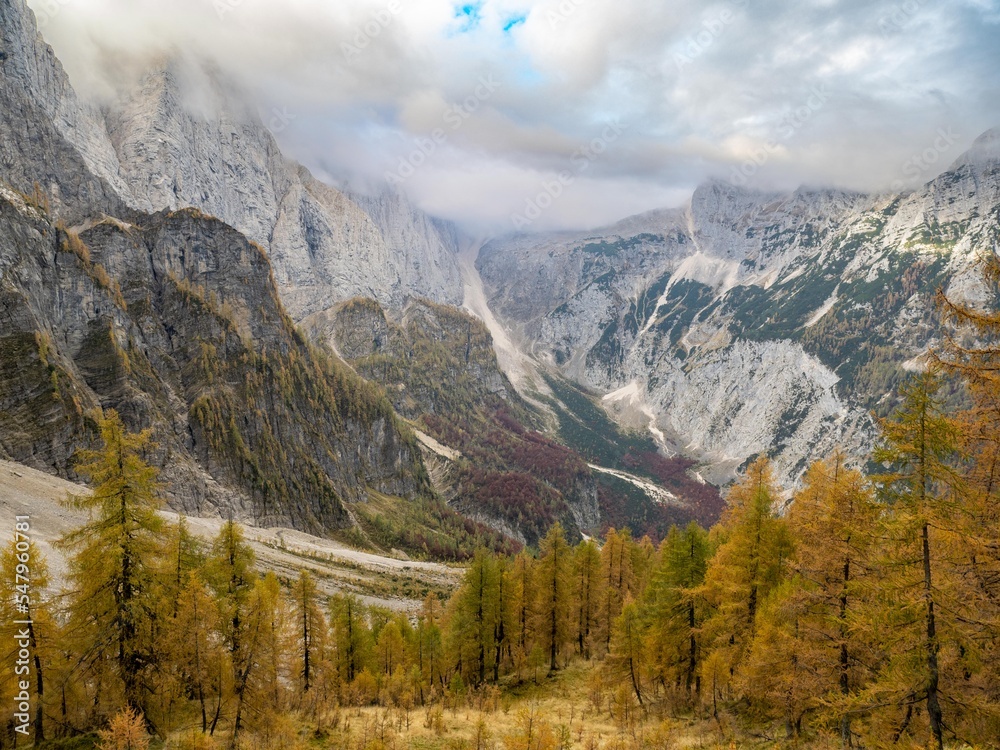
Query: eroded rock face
<point>753,322</point>
<point>48,138</point>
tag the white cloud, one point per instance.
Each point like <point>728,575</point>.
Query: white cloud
<point>894,73</point>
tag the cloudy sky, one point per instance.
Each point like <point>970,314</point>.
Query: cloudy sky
<point>589,109</point>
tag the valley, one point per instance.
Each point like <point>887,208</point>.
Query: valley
<point>295,463</point>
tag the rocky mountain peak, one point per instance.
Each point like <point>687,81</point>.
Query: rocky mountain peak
<point>984,150</point>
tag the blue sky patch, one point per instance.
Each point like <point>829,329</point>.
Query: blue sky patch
<point>510,23</point>
<point>470,15</point>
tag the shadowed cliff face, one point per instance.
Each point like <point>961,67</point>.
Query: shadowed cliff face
<point>176,323</point>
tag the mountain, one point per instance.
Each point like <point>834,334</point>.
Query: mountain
<point>174,319</point>
<point>751,322</point>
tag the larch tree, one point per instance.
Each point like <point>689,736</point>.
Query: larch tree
<point>833,518</point>
<point>587,595</point>
<point>971,351</point>
<point>352,638</point>
<point>474,623</point>
<point>774,677</point>
<point>753,548</point>
<point>521,594</point>
<point>501,616</point>
<point>230,571</point>
<point>618,579</point>
<point>111,608</point>
<point>554,590</point>
<point>625,659</point>
<point>430,648</point>
<point>185,556</point>
<point>197,651</point>
<point>310,627</point>
<point>257,662</point>
<point>674,611</point>
<point>390,648</point>
<point>919,596</point>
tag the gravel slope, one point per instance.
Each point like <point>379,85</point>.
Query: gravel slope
<point>26,491</point>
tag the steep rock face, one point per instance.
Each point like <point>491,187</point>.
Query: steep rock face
<point>752,322</point>
<point>177,324</point>
<point>184,138</point>
<point>47,137</point>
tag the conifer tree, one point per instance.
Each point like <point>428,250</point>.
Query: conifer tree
<point>391,649</point>
<point>674,612</point>
<point>971,351</point>
<point>833,519</point>
<point>521,588</point>
<point>626,654</point>
<point>230,571</point>
<point>430,649</point>
<point>776,678</point>
<point>352,638</point>
<point>587,595</point>
<point>111,608</point>
<point>185,556</point>
<point>196,651</point>
<point>922,488</point>
<point>553,592</point>
<point>501,616</point>
<point>257,662</point>
<point>618,580</point>
<point>474,619</point>
<point>310,626</point>
<point>751,560</point>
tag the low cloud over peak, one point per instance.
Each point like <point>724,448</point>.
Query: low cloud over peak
<point>485,111</point>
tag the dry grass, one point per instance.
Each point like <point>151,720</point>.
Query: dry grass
<point>559,713</point>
